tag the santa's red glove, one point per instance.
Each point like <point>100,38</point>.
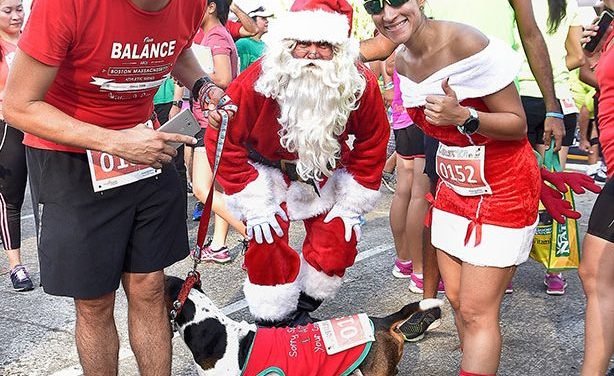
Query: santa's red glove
<point>556,205</point>
<point>578,182</point>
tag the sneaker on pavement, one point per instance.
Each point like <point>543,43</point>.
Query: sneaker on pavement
<point>402,269</point>
<point>510,288</point>
<point>598,172</point>
<point>416,284</point>
<point>21,279</point>
<point>220,256</point>
<point>389,181</point>
<point>419,323</point>
<point>440,287</point>
<point>197,212</point>
<point>555,284</point>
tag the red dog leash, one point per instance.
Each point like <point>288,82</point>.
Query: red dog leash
<point>225,107</point>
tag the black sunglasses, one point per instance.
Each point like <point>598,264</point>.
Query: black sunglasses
<point>376,6</point>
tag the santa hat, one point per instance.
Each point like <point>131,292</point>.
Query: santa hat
<point>315,21</point>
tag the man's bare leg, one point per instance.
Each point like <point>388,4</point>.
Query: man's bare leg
<point>96,335</point>
<point>148,322</point>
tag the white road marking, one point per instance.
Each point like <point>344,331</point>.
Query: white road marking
<point>125,353</point>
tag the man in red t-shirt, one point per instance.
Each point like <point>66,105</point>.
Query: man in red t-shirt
<point>113,213</point>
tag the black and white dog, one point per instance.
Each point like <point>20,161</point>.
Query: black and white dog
<point>221,346</point>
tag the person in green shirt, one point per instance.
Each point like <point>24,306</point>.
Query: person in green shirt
<point>250,49</point>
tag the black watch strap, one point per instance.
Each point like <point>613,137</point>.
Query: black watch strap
<point>198,85</point>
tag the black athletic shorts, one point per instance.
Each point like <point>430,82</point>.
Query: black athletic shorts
<point>601,223</point>
<point>409,142</point>
<point>86,240</point>
<point>535,110</point>
<point>430,153</point>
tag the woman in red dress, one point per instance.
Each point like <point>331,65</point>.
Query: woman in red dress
<point>458,87</point>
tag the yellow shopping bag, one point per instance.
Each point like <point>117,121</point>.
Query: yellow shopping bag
<point>556,245</point>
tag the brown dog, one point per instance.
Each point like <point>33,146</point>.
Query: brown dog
<point>222,346</point>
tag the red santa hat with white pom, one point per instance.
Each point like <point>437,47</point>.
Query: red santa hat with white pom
<point>315,21</point>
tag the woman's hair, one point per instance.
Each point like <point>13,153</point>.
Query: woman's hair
<point>222,7</point>
<point>557,10</point>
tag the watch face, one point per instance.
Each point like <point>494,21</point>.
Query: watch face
<point>471,126</point>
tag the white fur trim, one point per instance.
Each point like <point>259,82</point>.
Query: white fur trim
<point>427,304</point>
<point>351,196</point>
<point>271,302</point>
<point>303,202</point>
<point>476,76</point>
<point>312,26</point>
<point>316,284</point>
<point>260,195</point>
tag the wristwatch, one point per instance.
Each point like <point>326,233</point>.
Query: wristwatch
<point>178,103</point>
<point>471,125</point>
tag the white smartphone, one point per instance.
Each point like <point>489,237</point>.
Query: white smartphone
<point>183,123</point>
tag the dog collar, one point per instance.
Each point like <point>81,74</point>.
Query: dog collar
<point>192,280</point>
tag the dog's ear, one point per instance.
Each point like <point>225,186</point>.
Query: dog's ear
<point>172,286</point>
<point>207,340</point>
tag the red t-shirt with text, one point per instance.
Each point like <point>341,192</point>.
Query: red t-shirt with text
<point>111,56</point>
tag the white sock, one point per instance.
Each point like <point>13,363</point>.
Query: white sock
<point>419,275</point>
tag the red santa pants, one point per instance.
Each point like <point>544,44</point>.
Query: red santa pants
<point>324,249</point>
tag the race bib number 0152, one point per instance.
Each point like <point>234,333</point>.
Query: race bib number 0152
<point>108,171</point>
<point>462,169</point>
<point>346,332</point>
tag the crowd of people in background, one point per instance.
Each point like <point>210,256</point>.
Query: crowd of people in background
<point>515,83</point>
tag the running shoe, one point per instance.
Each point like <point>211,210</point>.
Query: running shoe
<point>220,256</point>
<point>21,279</point>
<point>389,181</point>
<point>598,172</point>
<point>510,288</point>
<point>419,323</point>
<point>197,212</point>
<point>555,284</point>
<point>402,269</point>
<point>440,287</point>
<point>416,284</point>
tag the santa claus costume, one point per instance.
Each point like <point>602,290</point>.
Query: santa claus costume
<point>485,210</point>
<point>287,154</point>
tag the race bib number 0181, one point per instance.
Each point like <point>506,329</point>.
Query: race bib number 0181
<point>346,332</point>
<point>108,171</point>
<point>462,169</point>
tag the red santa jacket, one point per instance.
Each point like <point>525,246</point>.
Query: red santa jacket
<point>299,352</point>
<point>256,124</point>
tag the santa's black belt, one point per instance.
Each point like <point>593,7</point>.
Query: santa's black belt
<point>284,165</point>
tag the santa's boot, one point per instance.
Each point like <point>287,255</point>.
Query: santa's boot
<point>306,305</point>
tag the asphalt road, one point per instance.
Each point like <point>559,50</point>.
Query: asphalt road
<point>542,334</point>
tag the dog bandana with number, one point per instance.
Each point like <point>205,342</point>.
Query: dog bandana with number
<point>299,351</point>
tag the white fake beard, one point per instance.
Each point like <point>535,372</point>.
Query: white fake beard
<point>315,101</point>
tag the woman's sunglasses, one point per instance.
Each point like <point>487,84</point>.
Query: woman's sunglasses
<point>376,6</point>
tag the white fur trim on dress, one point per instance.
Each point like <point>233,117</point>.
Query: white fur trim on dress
<point>271,302</point>
<point>261,195</point>
<point>476,76</point>
<point>351,196</point>
<point>303,202</point>
<point>500,246</point>
<point>312,26</point>
<point>317,284</point>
